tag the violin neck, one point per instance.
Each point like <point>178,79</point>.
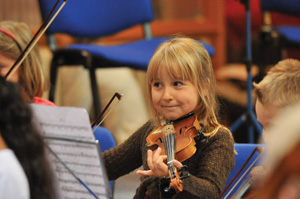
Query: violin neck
<point>169,142</point>
<point>170,154</point>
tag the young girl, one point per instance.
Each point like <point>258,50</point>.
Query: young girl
<point>181,80</point>
<point>22,152</point>
<point>14,37</point>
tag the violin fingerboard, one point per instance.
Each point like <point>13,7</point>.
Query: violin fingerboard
<point>169,142</point>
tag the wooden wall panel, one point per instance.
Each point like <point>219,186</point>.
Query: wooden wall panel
<point>21,10</point>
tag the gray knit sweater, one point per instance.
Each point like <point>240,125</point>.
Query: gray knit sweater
<point>209,167</point>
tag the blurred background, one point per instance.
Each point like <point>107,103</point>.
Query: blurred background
<point>220,23</point>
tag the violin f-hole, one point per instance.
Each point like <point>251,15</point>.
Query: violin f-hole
<point>180,131</point>
<point>159,140</point>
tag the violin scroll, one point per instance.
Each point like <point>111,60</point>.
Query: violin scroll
<point>176,183</point>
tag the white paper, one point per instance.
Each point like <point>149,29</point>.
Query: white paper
<point>82,159</point>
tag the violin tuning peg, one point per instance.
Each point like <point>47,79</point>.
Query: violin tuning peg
<point>184,176</point>
<point>183,168</point>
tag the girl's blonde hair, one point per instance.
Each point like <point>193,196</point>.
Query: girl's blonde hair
<point>194,65</point>
<point>31,74</point>
<point>281,86</point>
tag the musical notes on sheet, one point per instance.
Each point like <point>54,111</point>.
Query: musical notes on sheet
<point>68,134</point>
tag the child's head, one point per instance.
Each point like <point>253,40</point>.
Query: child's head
<point>279,88</point>
<point>281,160</point>
<point>185,59</point>
<point>20,134</point>
<point>14,38</point>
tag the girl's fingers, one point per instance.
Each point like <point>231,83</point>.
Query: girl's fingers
<point>145,173</point>
<point>160,165</point>
<point>177,164</point>
<point>162,158</point>
<point>149,159</point>
<point>156,154</point>
<point>157,165</point>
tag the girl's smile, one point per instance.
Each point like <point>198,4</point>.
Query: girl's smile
<point>173,98</point>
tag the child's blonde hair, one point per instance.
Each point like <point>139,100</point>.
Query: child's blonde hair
<point>281,86</point>
<point>31,74</point>
<point>194,64</point>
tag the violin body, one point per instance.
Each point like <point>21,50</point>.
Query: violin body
<point>185,131</point>
<point>176,140</point>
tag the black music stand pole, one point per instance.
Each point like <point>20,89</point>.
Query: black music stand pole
<point>249,116</point>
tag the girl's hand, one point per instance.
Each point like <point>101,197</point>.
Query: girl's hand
<point>157,165</point>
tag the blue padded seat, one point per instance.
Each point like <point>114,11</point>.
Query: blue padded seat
<point>136,54</point>
<point>94,19</point>
<point>290,33</point>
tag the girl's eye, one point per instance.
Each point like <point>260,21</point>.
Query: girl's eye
<point>177,83</point>
<point>156,84</point>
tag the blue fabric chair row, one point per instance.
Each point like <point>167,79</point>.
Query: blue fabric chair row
<point>94,19</point>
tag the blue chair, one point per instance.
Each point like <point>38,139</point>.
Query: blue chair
<point>106,141</point>
<point>243,153</point>
<point>105,138</point>
<point>274,39</point>
<point>93,19</point>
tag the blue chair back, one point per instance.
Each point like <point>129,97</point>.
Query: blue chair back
<point>291,7</point>
<point>105,138</point>
<point>97,18</point>
<point>243,153</point>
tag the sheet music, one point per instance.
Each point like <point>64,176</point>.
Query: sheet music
<point>78,151</point>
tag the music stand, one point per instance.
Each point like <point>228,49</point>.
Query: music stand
<point>248,116</point>
<point>73,152</point>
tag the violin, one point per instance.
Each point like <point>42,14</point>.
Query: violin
<point>176,139</point>
<point>245,191</point>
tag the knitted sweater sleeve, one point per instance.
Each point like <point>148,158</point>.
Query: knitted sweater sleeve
<point>127,156</point>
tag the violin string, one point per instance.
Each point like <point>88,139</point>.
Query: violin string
<point>166,143</point>
<point>169,141</point>
<point>242,176</point>
<point>167,149</point>
<point>172,145</point>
